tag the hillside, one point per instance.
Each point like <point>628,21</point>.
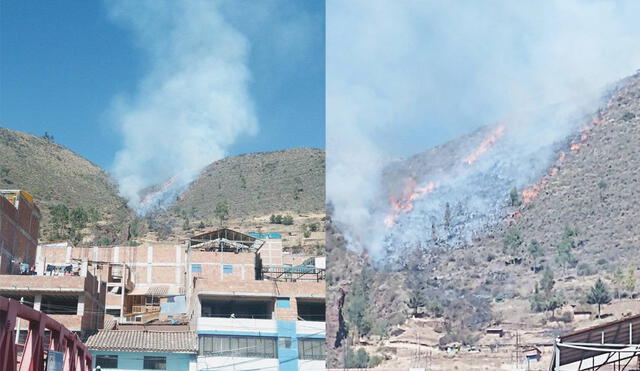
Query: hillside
<point>576,222</point>
<point>54,175</point>
<point>257,184</point>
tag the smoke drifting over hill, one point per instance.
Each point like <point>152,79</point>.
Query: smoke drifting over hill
<point>419,73</point>
<point>190,107</point>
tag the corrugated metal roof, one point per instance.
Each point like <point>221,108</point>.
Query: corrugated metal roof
<point>615,335</point>
<point>144,341</point>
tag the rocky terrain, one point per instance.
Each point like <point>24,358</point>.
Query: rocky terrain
<point>577,221</point>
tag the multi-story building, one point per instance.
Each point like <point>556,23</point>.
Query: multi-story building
<point>70,294</point>
<point>251,304</point>
<point>19,226</point>
<point>250,315</point>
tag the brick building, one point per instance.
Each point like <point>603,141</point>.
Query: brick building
<point>238,292</point>
<point>19,226</point>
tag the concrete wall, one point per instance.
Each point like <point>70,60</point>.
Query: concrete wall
<point>134,360</point>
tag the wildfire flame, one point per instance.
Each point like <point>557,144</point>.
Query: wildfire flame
<point>410,194</point>
<point>531,193</point>
<point>485,145</point>
<point>149,197</point>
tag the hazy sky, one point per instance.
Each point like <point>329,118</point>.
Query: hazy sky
<point>65,62</point>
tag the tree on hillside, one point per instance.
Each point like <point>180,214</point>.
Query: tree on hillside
<point>447,218</point>
<point>547,282</point>
<point>48,137</point>
<point>618,282</point>
<point>415,285</point>
<point>544,298</point>
<point>512,241</point>
<point>357,303</point>
<point>287,220</point>
<point>357,359</point>
<point>59,220</point>
<point>222,211</point>
<point>630,280</point>
<point>564,254</point>
<point>599,294</point>
<point>79,218</point>
<point>514,198</point>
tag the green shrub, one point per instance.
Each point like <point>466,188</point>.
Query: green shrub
<point>287,220</point>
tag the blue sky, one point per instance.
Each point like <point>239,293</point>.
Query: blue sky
<point>64,63</point>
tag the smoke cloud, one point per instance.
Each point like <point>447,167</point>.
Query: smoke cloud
<point>193,102</point>
<point>403,77</point>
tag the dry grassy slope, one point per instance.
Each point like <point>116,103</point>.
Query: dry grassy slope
<point>259,184</point>
<point>597,188</point>
<point>56,175</point>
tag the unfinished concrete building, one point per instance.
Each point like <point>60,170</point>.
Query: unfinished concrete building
<point>75,298</point>
<point>19,226</point>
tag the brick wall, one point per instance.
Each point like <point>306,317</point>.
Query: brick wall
<point>18,233</point>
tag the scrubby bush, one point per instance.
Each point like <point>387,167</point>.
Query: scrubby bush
<point>585,269</point>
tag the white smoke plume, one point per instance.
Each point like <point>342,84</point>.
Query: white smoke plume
<point>193,102</point>
<point>405,76</point>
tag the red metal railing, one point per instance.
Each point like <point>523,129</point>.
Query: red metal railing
<point>76,354</point>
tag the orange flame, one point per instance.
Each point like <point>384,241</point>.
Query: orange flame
<point>531,193</point>
<point>163,188</point>
<point>410,194</point>
<point>485,145</point>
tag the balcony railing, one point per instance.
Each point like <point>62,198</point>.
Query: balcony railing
<point>293,274</point>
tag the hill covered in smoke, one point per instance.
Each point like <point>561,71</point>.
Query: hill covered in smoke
<point>574,215</point>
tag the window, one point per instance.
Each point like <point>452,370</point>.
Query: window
<point>52,304</point>
<point>284,343</point>
<point>238,346</point>
<point>155,363</point>
<point>311,349</point>
<point>227,269</point>
<point>283,303</point>
<point>196,268</point>
<point>113,312</point>
<point>107,361</point>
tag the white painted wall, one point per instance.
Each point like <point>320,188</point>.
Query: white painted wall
<point>310,328</point>
<point>310,365</point>
<point>237,364</point>
<point>237,325</point>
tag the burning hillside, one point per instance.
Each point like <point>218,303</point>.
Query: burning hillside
<point>451,193</point>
